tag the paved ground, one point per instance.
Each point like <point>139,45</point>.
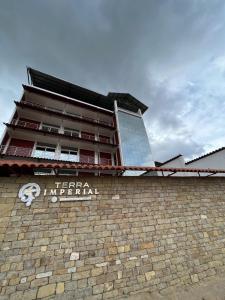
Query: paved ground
<point>209,290</point>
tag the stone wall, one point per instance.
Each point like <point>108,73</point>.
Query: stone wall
<point>137,234</point>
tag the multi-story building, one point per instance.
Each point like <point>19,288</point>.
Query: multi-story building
<point>62,122</point>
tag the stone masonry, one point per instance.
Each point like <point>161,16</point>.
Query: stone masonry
<point>137,234</point>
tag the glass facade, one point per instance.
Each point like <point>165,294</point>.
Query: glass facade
<point>134,141</point>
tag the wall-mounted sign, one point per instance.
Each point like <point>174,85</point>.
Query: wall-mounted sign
<point>28,192</point>
<point>63,191</point>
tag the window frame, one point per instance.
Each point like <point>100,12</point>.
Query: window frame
<point>49,127</point>
<point>71,131</point>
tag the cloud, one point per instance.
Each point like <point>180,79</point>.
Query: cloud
<point>168,54</point>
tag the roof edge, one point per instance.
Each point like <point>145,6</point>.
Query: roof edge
<point>171,159</point>
<point>205,155</point>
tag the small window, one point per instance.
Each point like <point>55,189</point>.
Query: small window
<point>50,128</point>
<point>71,132</point>
<point>41,171</point>
<point>67,172</point>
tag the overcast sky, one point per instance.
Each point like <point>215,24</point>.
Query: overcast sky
<point>170,54</point>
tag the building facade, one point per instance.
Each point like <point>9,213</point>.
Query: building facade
<point>59,121</point>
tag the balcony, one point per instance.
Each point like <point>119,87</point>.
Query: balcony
<point>55,130</point>
<point>105,161</point>
<point>87,159</point>
<point>16,151</point>
<point>104,139</point>
<point>28,152</point>
<point>87,136</point>
<point>26,124</point>
<point>69,114</point>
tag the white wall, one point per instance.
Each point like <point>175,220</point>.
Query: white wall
<point>213,161</point>
<point>175,163</point>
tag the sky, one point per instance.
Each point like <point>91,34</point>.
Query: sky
<point>169,54</point>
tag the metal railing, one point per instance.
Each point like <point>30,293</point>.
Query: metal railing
<point>28,152</point>
<point>26,124</point>
<point>104,140</point>
<point>111,124</point>
<point>16,151</point>
<point>87,159</point>
<point>88,136</point>
<point>105,161</point>
<point>53,129</point>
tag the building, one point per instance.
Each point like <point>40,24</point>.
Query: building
<point>214,160</point>
<point>57,121</point>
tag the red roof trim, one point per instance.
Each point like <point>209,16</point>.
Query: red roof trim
<point>80,166</point>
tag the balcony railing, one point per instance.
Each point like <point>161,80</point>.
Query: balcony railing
<point>25,124</point>
<point>88,136</point>
<point>104,139</point>
<point>105,161</point>
<point>87,159</point>
<point>28,152</point>
<point>52,129</point>
<point>16,151</point>
<point>48,108</point>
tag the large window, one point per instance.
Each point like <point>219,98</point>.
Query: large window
<point>70,154</point>
<point>50,128</point>
<point>45,151</point>
<point>71,132</point>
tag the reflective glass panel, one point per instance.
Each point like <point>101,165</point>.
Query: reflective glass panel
<point>134,141</point>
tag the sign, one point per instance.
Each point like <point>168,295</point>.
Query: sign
<point>63,191</point>
<point>29,192</point>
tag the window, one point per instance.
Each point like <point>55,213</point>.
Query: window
<point>67,172</point>
<point>71,132</point>
<point>69,154</point>
<point>41,171</point>
<point>50,128</point>
<point>45,151</point>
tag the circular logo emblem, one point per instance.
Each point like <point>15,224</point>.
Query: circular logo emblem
<point>29,192</point>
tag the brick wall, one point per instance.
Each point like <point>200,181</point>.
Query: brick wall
<point>137,234</point>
